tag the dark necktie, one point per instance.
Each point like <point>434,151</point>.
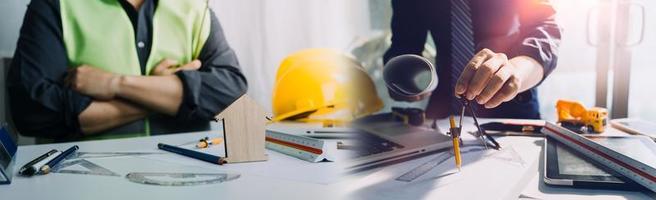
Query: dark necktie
<point>462,44</point>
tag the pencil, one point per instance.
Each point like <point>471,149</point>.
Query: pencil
<point>193,154</point>
<point>455,134</point>
<point>456,152</point>
<point>206,142</point>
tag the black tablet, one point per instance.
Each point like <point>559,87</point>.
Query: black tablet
<point>566,167</point>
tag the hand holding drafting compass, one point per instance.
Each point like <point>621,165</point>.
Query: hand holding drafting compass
<point>411,78</point>
<point>482,135</point>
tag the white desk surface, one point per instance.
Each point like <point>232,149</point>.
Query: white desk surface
<point>283,177</point>
<point>277,178</point>
<point>489,176</point>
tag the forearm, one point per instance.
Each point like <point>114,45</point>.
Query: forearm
<point>540,34</point>
<point>104,115</point>
<point>161,94</point>
<point>530,72</point>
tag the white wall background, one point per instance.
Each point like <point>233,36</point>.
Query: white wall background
<point>261,32</point>
<point>11,18</point>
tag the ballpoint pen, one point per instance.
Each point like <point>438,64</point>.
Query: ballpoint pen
<point>45,169</point>
<point>32,167</point>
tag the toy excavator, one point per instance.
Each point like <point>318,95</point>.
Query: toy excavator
<point>574,116</point>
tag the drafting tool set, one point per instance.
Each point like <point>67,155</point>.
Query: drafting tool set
<point>47,162</point>
<point>642,171</point>
<point>304,148</point>
<point>454,132</point>
<point>73,162</point>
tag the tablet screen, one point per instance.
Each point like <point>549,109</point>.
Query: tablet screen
<point>641,149</point>
<point>576,170</point>
<point>571,164</point>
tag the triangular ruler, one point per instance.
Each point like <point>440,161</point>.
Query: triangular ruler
<point>89,168</point>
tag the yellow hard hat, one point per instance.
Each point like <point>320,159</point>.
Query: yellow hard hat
<point>322,85</point>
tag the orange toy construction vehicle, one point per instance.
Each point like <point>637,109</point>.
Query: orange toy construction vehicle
<point>573,115</point>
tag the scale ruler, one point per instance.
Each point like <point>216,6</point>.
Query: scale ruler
<point>304,148</point>
<point>637,171</point>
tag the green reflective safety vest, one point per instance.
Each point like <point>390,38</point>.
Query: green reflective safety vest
<point>99,33</point>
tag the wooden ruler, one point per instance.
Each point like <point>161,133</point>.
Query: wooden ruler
<point>633,169</point>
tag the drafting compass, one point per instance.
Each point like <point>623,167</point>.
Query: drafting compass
<point>482,135</point>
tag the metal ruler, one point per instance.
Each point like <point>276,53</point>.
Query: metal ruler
<point>428,166</point>
<point>80,155</point>
<point>635,170</point>
<point>179,179</point>
<point>507,154</point>
<point>304,148</point>
<point>424,168</point>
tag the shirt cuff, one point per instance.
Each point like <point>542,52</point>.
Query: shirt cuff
<point>540,50</point>
<point>75,105</point>
<point>191,86</point>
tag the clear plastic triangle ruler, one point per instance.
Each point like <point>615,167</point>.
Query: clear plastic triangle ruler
<point>92,168</point>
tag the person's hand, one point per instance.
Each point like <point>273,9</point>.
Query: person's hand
<point>93,81</point>
<point>489,78</point>
<point>170,67</point>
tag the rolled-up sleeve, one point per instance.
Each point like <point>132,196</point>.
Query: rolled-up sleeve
<point>539,34</point>
<point>218,82</point>
<point>40,103</point>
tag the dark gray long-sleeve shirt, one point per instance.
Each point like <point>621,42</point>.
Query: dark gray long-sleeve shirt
<point>513,27</point>
<point>42,106</point>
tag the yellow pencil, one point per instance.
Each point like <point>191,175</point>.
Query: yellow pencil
<point>455,134</point>
<point>456,150</point>
<point>206,142</point>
